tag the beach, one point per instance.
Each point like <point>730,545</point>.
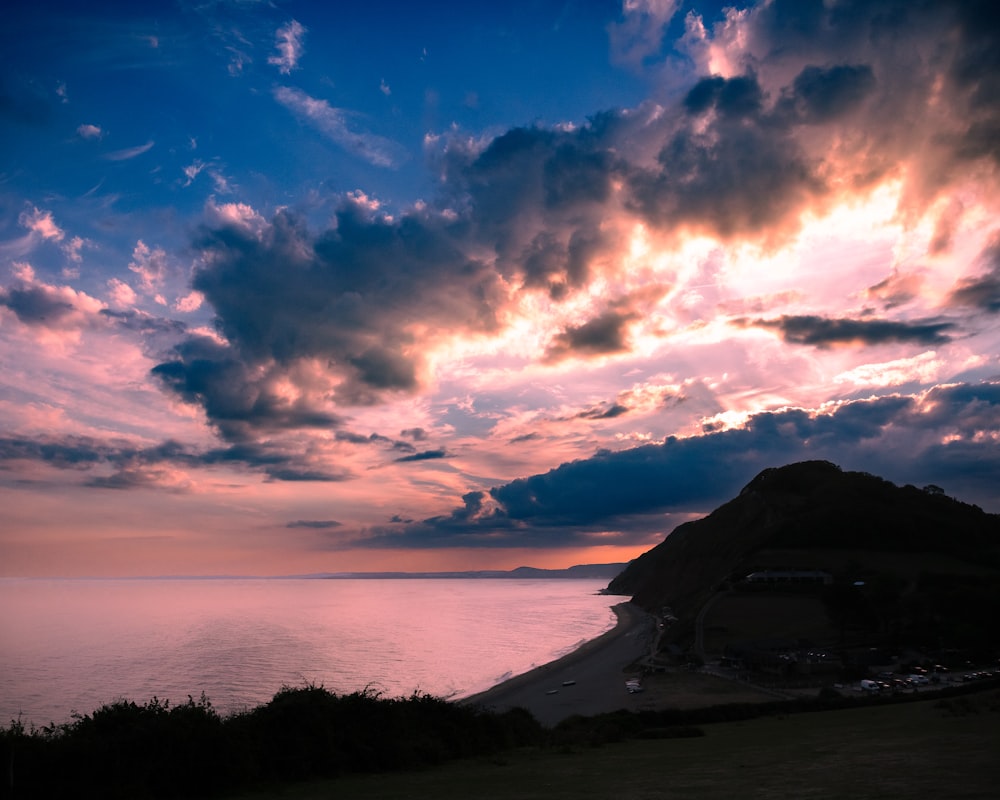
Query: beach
<point>589,680</point>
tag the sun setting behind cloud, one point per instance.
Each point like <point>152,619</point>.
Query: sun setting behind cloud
<point>666,248</point>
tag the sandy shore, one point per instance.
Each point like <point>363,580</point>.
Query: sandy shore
<point>590,680</point>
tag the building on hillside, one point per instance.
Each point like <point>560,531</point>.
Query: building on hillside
<point>784,576</point>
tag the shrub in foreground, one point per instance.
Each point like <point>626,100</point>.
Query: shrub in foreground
<point>155,750</point>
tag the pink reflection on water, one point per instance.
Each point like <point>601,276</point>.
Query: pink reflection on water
<point>74,644</point>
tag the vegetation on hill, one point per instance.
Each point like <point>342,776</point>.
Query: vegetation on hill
<point>307,736</point>
<point>127,750</point>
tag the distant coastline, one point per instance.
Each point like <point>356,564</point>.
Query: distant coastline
<point>578,572</point>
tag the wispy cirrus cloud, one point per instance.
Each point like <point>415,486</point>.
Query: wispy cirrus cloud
<point>290,46</point>
<point>638,36</point>
<point>129,152</point>
<point>41,227</point>
<point>333,123</point>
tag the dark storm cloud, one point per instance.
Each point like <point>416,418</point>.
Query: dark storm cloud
<point>974,407</point>
<point>133,478</point>
<point>559,264</point>
<point>304,474</point>
<point>317,524</point>
<point>983,291</point>
<point>740,175</point>
<point>975,73</point>
<point>632,492</point>
<point>536,197</point>
<point>823,99</point>
<point>845,84</point>
<point>821,95</point>
<point>425,455</point>
<point>37,305</point>
<point>346,299</point>
<point>933,63</point>
<point>68,452</point>
<point>896,290</point>
<point>735,97</point>
<point>600,336</point>
<point>375,439</point>
<point>278,463</point>
<point>237,398</point>
<point>143,323</point>
<point>825,332</point>
<point>62,309</point>
<point>133,466</point>
<point>604,412</point>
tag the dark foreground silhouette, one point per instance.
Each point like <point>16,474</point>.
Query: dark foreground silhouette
<point>158,750</point>
<point>155,750</point>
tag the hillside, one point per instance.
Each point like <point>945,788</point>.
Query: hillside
<point>815,516</point>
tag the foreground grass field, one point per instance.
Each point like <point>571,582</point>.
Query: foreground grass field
<point>932,749</point>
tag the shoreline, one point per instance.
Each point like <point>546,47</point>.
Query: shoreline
<point>588,680</point>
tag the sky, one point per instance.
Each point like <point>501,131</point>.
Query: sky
<point>299,287</point>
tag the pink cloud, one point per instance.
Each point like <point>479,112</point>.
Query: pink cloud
<point>289,44</point>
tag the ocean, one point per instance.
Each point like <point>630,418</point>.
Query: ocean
<point>70,645</point>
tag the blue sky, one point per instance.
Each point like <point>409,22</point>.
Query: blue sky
<point>292,287</point>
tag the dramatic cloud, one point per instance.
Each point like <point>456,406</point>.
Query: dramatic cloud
<point>639,35</point>
<point>983,291</point>
<point>604,412</point>
<point>347,314</point>
<point>603,335</point>
<point>558,288</point>
<point>822,332</point>
<point>43,305</point>
<point>316,524</point>
<point>119,464</point>
<point>237,398</point>
<point>629,496</point>
<point>426,455</point>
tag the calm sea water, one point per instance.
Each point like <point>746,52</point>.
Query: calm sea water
<point>72,645</point>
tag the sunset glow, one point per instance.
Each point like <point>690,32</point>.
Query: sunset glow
<point>293,288</point>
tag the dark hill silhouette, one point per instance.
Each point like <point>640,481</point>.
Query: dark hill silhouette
<point>812,505</point>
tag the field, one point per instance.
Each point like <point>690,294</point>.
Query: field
<point>915,750</point>
<point>687,689</point>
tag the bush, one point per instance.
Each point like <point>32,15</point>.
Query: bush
<point>126,750</point>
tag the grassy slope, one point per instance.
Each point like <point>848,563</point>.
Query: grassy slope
<point>914,750</point>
